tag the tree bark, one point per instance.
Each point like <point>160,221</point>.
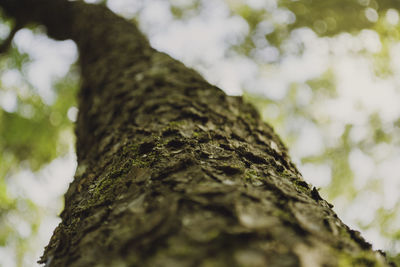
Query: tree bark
<point>173,172</point>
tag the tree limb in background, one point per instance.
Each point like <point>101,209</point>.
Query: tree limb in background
<point>5,45</point>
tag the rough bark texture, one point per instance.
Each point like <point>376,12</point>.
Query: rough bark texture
<point>171,171</point>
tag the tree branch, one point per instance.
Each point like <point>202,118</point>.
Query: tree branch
<point>5,45</point>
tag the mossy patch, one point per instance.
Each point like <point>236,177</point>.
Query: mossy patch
<point>362,259</point>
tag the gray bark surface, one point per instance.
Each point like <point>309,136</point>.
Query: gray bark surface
<point>173,172</point>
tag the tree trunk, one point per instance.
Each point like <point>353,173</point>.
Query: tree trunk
<point>171,171</point>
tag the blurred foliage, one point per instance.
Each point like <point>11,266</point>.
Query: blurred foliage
<point>288,30</point>
<point>30,137</point>
<point>332,20</point>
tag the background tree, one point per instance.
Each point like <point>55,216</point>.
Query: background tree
<point>283,24</point>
